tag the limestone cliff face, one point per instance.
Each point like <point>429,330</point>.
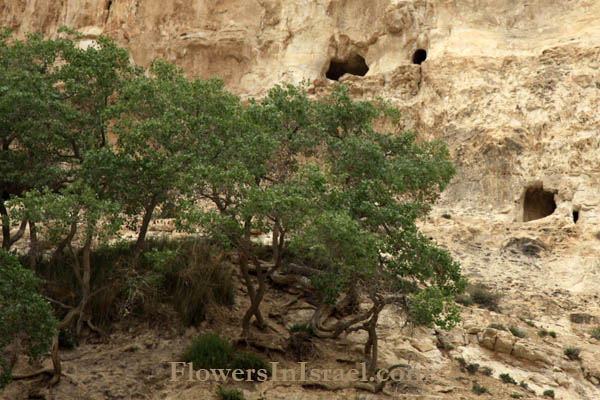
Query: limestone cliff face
<point>513,86</point>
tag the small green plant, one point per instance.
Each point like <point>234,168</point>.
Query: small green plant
<point>506,378</point>
<point>596,333</point>
<point>210,351</point>
<point>572,353</point>
<point>464,299</point>
<point>516,396</point>
<point>472,368</point>
<point>66,340</point>
<point>524,385</point>
<point>543,333</point>
<point>528,322</point>
<point>306,328</point>
<point>487,371</point>
<point>500,327</point>
<point>479,389</point>
<point>447,216</point>
<point>462,363</point>
<point>517,332</point>
<point>553,334</point>
<point>231,394</point>
<point>549,393</point>
<point>250,361</point>
<point>482,295</point>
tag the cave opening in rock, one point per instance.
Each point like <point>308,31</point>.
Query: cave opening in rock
<point>354,65</point>
<point>575,216</point>
<point>419,56</point>
<point>538,203</point>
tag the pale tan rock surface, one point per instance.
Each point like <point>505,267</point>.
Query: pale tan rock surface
<point>512,86</point>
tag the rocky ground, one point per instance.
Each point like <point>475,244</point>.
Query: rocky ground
<point>546,279</point>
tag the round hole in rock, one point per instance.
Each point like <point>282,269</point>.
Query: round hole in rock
<point>538,203</point>
<point>419,56</point>
<point>354,65</point>
<point>575,216</point>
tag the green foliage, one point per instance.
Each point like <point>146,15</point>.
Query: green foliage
<point>487,371</point>
<point>500,327</point>
<point>66,340</point>
<point>25,314</point>
<point>544,332</point>
<point>229,394</point>
<point>472,368</point>
<point>548,393</point>
<point>479,389</point>
<point>506,378</point>
<point>248,361</point>
<point>482,295</point>
<point>464,299</point>
<point>524,385</point>
<point>210,351</point>
<point>517,332</point>
<point>596,333</point>
<point>516,395</point>
<point>305,328</point>
<point>528,322</point>
<point>572,353</point>
<point>462,363</point>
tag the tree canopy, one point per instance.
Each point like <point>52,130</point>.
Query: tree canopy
<point>91,144</point>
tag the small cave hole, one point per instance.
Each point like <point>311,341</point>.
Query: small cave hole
<point>419,56</point>
<point>539,203</point>
<point>109,4</point>
<point>354,65</point>
<point>575,216</point>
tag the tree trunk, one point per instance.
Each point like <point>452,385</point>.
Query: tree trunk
<point>33,246</point>
<point>65,242</point>
<point>139,244</point>
<point>5,226</point>
<point>84,285</point>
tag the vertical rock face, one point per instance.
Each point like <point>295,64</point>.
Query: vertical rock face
<point>511,85</point>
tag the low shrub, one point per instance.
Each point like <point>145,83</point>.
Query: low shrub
<point>464,299</point>
<point>549,393</point>
<point>479,389</point>
<point>528,322</point>
<point>483,296</point>
<point>210,351</point>
<point>517,332</point>
<point>306,328</point>
<point>473,368</point>
<point>487,371</point>
<point>572,353</point>
<point>506,378</point>
<point>516,395</point>
<point>229,394</point>
<point>500,327</point>
<point>66,340</point>
<point>596,333</point>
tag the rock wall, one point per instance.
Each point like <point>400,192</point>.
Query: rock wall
<point>511,85</point>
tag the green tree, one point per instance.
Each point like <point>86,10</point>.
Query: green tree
<point>69,188</point>
<point>25,316</point>
<point>28,108</point>
<point>367,239</point>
